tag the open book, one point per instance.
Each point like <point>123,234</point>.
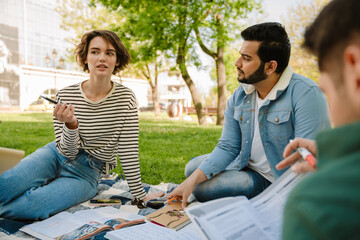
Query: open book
<point>151,231</point>
<point>239,218</point>
<point>82,224</point>
<point>171,216</point>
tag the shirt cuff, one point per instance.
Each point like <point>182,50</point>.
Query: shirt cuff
<point>70,131</point>
<point>209,170</point>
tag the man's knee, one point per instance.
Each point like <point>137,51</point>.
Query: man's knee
<point>229,183</point>
<point>189,168</point>
<point>194,163</point>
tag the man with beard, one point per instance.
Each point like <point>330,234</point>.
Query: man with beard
<point>271,106</point>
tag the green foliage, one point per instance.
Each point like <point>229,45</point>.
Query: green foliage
<point>155,31</point>
<point>152,27</point>
<point>165,146</point>
<point>232,54</point>
<point>222,21</point>
<point>298,18</point>
<point>80,16</point>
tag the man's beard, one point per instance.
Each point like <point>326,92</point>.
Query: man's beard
<point>256,77</point>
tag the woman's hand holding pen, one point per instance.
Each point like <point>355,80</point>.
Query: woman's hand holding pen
<point>291,155</point>
<point>65,113</point>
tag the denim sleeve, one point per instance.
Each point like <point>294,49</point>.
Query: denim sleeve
<point>311,113</point>
<point>228,147</point>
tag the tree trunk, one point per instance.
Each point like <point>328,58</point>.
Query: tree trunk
<point>155,98</point>
<point>220,71</point>
<point>155,93</point>
<point>221,83</point>
<point>193,90</point>
<point>153,86</point>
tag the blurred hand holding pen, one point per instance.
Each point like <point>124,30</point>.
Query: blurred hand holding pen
<point>173,199</point>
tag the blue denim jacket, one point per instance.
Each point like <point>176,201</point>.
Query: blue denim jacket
<point>296,108</point>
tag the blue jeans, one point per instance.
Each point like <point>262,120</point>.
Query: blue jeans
<point>45,183</point>
<point>245,182</point>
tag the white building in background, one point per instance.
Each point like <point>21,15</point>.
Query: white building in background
<point>32,54</point>
<point>38,80</point>
<point>172,89</point>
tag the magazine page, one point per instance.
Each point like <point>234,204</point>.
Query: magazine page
<point>83,221</point>
<point>104,214</point>
<point>239,218</point>
<point>270,204</point>
<point>150,231</point>
<point>85,231</point>
<point>54,226</point>
<point>118,223</point>
<point>190,232</point>
<point>232,219</point>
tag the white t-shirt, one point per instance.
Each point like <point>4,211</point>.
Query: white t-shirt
<point>258,160</point>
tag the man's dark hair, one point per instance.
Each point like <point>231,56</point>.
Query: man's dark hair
<point>122,54</point>
<point>275,43</point>
<point>337,25</point>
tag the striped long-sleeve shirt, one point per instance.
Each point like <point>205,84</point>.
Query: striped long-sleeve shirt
<point>106,128</point>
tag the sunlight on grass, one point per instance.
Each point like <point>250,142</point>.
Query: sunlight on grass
<point>26,117</point>
<point>165,145</point>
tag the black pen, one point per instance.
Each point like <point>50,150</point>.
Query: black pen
<point>49,99</point>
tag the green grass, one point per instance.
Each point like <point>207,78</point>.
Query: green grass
<point>165,145</point>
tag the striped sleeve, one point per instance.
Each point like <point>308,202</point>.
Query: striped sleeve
<point>128,149</point>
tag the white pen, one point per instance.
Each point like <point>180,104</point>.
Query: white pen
<point>306,155</point>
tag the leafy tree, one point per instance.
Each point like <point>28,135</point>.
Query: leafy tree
<point>151,71</point>
<point>147,48</point>
<point>298,18</point>
<point>171,25</point>
<point>80,16</point>
<point>165,26</point>
<point>219,26</point>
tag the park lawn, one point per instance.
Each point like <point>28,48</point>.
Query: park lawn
<point>165,145</point>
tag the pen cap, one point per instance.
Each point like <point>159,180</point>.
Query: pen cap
<point>311,160</point>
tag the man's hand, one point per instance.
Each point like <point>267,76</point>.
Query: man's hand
<point>64,113</point>
<point>298,167</point>
<point>184,190</point>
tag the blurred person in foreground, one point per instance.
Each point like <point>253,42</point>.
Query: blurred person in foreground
<point>95,121</point>
<point>326,205</point>
<point>271,106</point>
